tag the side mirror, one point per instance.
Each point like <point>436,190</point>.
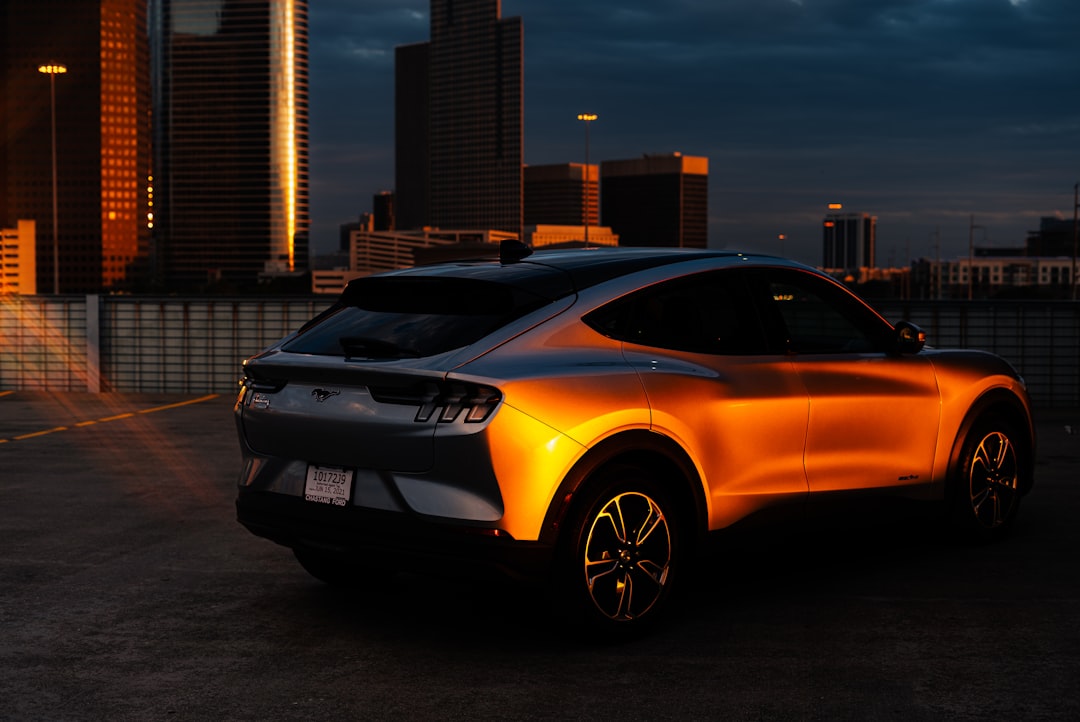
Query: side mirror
<point>908,338</point>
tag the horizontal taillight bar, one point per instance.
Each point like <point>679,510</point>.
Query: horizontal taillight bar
<point>446,401</point>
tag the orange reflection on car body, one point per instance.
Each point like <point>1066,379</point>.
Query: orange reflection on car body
<point>532,458</point>
<point>873,420</point>
<point>720,406</point>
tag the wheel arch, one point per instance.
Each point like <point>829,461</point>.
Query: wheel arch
<point>1013,410</point>
<point>642,448</point>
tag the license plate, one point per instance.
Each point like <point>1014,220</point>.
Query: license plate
<point>328,485</point>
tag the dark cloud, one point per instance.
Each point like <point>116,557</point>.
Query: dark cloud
<point>922,112</point>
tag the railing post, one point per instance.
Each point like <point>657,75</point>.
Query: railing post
<point>93,344</point>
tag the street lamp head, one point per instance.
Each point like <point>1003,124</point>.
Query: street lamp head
<point>587,117</point>
<point>52,69</point>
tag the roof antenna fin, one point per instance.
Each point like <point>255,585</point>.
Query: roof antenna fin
<point>512,251</point>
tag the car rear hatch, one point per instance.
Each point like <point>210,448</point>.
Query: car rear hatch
<point>363,385</point>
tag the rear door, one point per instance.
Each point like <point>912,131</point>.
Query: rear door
<point>713,384</point>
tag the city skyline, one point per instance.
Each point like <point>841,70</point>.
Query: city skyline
<point>921,113</point>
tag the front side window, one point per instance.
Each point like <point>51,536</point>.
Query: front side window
<point>705,313</point>
<point>815,316</point>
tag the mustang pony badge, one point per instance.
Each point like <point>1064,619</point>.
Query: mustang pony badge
<point>323,394</point>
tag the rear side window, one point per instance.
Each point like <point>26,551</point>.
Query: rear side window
<point>412,317</point>
<point>706,313</point>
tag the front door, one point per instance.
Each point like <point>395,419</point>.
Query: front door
<point>874,413</point>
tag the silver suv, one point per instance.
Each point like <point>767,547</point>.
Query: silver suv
<point>587,417</point>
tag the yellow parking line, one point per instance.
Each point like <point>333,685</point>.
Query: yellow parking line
<point>178,404</point>
<point>105,419</point>
<point>40,433</point>
<point>127,415</point>
<point>6,393</point>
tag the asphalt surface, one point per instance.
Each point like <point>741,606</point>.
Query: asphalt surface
<point>129,592</point>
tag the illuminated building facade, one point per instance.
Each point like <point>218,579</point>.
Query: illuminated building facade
<point>231,140</point>
<point>18,259</point>
<point>539,236</point>
<point>848,241</point>
<point>657,200</point>
<point>458,121</point>
<point>558,195</point>
<point>101,108</point>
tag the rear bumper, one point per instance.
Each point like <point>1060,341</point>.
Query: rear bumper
<point>394,540</point>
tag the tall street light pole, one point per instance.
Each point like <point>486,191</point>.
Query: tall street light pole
<point>1076,226</point>
<point>971,253</point>
<point>52,71</point>
<point>587,118</point>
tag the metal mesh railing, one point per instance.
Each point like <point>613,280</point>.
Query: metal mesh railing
<point>197,345</point>
<point>170,345</point>
<point>1040,338</point>
<point>190,346</point>
<point>43,342</point>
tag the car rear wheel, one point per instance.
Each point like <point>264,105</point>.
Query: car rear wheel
<point>986,487</point>
<point>624,553</point>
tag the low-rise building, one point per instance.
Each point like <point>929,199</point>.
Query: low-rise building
<point>986,276</point>
<point>377,251</point>
<point>546,235</point>
<point>18,259</point>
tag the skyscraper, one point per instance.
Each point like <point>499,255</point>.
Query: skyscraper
<point>231,139</point>
<point>558,194</point>
<point>657,200</point>
<point>459,121</point>
<point>848,241</point>
<point>411,141</point>
<point>102,137</point>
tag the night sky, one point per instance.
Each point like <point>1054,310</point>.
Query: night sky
<point>921,112</point>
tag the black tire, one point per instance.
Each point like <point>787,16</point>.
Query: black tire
<point>986,484</point>
<point>622,554</point>
<point>338,571</point>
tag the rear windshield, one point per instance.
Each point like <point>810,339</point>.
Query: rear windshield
<point>412,317</point>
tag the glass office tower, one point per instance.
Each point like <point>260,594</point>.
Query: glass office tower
<point>459,127</point>
<point>657,200</point>
<point>231,140</point>
<point>848,241</point>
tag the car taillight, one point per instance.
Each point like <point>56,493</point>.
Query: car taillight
<point>256,383</point>
<point>447,401</point>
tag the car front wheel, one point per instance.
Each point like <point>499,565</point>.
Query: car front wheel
<point>986,484</point>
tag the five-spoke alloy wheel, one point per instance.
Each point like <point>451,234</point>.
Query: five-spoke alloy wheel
<point>624,551</point>
<point>993,480</point>
<point>627,556</point>
<point>987,482</point>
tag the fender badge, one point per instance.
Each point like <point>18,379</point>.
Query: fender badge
<point>323,394</point>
